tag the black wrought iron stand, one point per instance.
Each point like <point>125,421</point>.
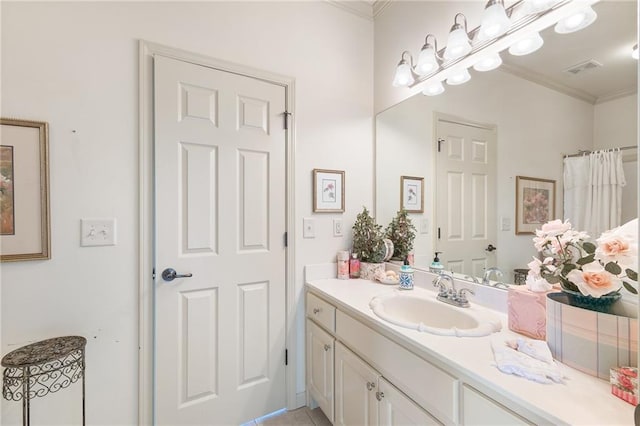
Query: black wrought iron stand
<point>42,368</point>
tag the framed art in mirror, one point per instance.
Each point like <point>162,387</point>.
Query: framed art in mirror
<point>328,191</point>
<point>535,203</point>
<point>412,194</point>
<point>24,190</point>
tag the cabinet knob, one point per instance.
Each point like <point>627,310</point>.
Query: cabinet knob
<point>327,347</point>
<point>370,385</point>
<point>316,311</point>
<point>379,396</point>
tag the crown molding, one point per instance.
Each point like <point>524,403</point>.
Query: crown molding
<point>547,82</point>
<point>616,95</point>
<point>360,8</point>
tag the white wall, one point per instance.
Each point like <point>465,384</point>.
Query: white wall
<point>74,65</point>
<point>535,126</point>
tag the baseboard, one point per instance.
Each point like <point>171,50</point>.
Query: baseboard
<point>301,399</point>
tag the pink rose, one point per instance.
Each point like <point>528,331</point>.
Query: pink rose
<point>618,245</point>
<point>594,280</point>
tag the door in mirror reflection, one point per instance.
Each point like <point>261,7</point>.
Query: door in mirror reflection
<point>466,196</point>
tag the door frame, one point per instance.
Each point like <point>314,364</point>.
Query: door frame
<point>146,52</point>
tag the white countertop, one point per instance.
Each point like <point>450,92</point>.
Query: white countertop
<point>581,400</point>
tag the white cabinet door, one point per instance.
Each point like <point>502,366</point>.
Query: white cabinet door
<point>478,409</point>
<point>320,367</point>
<point>356,387</point>
<point>397,409</point>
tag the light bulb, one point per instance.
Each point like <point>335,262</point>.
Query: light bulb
<point>460,77</point>
<point>488,63</point>
<point>634,52</point>
<point>526,45</point>
<point>495,21</point>
<point>577,21</point>
<point>433,89</point>
<point>458,43</point>
<point>427,62</point>
<point>403,76</point>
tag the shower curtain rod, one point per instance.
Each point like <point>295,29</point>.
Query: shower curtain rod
<point>587,151</point>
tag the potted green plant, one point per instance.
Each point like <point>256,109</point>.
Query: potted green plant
<point>368,244</point>
<point>402,233</point>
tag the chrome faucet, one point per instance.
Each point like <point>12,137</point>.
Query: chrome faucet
<point>487,275</point>
<point>451,295</point>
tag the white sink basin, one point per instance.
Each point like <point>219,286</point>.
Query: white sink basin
<point>419,312</point>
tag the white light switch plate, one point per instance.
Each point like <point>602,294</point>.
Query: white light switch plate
<point>505,224</point>
<point>97,232</point>
<point>424,226</point>
<point>308,228</point>
<point>337,228</point>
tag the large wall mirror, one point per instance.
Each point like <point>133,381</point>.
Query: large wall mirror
<point>577,93</point>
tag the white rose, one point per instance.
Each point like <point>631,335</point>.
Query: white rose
<point>594,280</point>
<point>619,245</point>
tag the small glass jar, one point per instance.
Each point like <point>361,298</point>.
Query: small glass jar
<point>343,265</point>
<point>354,266</point>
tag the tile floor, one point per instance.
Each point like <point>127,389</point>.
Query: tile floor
<point>301,417</point>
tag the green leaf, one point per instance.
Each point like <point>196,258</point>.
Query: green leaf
<point>586,259</point>
<point>568,268</point>
<point>631,289</point>
<point>633,275</point>
<point>551,279</point>
<point>613,268</point>
<point>590,248</point>
<point>569,285</point>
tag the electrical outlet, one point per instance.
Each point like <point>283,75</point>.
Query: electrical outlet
<point>97,232</point>
<point>308,228</point>
<point>337,228</point>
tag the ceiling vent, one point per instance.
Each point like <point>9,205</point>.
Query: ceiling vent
<point>583,66</point>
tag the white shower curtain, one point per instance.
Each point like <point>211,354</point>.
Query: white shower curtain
<point>593,191</point>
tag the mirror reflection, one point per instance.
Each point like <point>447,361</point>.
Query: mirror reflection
<point>471,144</point>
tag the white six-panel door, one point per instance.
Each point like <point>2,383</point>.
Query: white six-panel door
<point>220,149</point>
<point>466,196</point>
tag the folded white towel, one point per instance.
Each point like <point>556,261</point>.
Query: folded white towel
<point>537,349</point>
<point>511,361</point>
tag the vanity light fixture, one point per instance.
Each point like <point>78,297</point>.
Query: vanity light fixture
<point>433,89</point>
<point>634,52</point>
<point>458,43</point>
<point>460,77</point>
<point>526,45</point>
<point>532,7</point>
<point>495,21</point>
<point>488,63</point>
<point>428,59</point>
<point>404,76</point>
<point>577,21</point>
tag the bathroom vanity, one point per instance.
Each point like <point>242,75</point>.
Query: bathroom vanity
<point>363,370</point>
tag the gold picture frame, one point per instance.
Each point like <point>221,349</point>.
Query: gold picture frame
<point>535,203</point>
<point>328,191</point>
<point>24,190</point>
<point>412,194</point>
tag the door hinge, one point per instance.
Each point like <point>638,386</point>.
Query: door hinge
<point>286,357</point>
<point>440,141</point>
<point>286,239</point>
<point>287,115</point>
<point>438,232</point>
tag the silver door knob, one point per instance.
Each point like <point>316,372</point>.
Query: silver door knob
<point>170,274</point>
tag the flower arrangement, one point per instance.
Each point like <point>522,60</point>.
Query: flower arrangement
<point>402,233</point>
<point>368,238</point>
<point>578,265</point>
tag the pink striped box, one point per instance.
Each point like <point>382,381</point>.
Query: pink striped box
<point>624,384</point>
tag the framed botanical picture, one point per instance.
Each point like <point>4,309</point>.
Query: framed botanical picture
<point>412,194</point>
<point>328,191</point>
<point>24,190</point>
<point>535,203</point>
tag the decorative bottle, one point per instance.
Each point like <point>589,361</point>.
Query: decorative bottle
<point>343,265</point>
<point>406,276</point>
<point>354,266</point>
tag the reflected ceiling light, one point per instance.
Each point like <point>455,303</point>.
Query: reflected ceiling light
<point>634,52</point>
<point>458,43</point>
<point>403,76</point>
<point>488,63</point>
<point>526,45</point>
<point>532,7</point>
<point>495,21</point>
<point>577,21</point>
<point>433,89</point>
<point>428,58</point>
<point>462,76</point>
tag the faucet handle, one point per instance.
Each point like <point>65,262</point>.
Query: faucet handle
<point>442,287</point>
<point>462,294</point>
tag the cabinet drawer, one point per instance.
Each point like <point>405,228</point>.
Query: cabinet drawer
<point>321,312</point>
<point>479,409</point>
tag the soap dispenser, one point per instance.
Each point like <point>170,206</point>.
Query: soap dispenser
<point>406,276</point>
<point>436,266</point>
